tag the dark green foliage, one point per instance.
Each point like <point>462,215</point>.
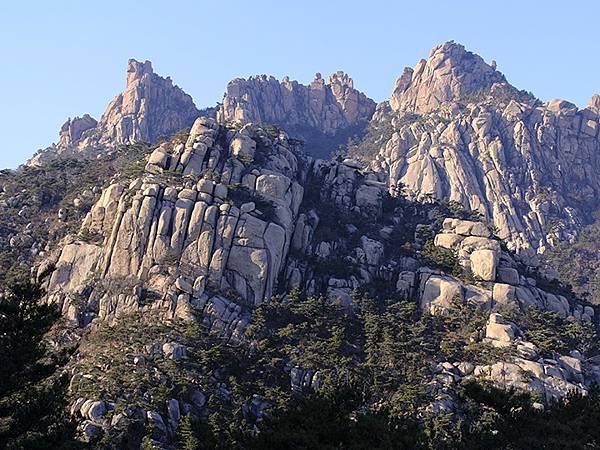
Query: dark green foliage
<point>507,419</point>
<point>552,334</point>
<point>32,392</point>
<point>240,194</point>
<point>500,94</point>
<point>330,421</point>
<point>578,264</point>
<point>188,439</point>
<point>321,145</point>
<point>451,208</point>
<point>314,332</point>
<point>441,258</point>
<point>375,362</point>
<point>491,419</point>
<point>334,266</point>
<point>364,147</point>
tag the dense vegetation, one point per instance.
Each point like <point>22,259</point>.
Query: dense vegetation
<point>33,388</point>
<point>579,262</point>
<point>493,419</point>
<point>372,371</point>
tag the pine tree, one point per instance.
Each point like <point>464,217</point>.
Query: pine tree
<point>187,435</point>
<point>32,392</point>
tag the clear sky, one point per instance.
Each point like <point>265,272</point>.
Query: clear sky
<point>60,59</point>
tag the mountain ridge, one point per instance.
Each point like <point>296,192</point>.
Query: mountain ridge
<point>212,272</point>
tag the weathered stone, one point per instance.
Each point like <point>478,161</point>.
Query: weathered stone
<point>325,107</point>
<point>439,292</point>
<point>174,350</point>
<point>96,411</point>
<point>499,333</point>
<point>508,275</point>
<point>484,264</point>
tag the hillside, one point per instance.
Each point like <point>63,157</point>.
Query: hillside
<point>218,285</point>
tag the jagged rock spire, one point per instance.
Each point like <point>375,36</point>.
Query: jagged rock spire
<point>594,103</point>
<point>73,129</point>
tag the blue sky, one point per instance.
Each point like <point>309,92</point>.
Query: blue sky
<point>65,58</point>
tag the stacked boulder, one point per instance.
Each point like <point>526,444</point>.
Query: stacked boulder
<point>181,232</point>
<point>500,283</point>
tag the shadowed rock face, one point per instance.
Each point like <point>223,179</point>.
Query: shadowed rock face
<point>317,112</point>
<point>461,132</point>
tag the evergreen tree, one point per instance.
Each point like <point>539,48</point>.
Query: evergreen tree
<point>187,435</point>
<point>32,391</point>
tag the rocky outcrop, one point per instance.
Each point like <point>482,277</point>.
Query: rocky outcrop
<point>321,109</point>
<point>185,240</point>
<point>594,104</point>
<point>461,133</point>
<point>448,74</point>
<point>72,130</point>
<point>502,283</point>
<point>149,107</point>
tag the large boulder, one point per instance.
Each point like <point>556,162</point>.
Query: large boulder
<point>174,351</point>
<point>438,293</point>
<point>484,264</point>
<point>498,332</point>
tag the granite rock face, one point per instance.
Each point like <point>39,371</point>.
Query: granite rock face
<point>462,133</point>
<point>320,109</point>
<point>149,107</point>
<point>185,238</point>
<point>449,73</point>
<point>219,220</point>
<point>73,129</point>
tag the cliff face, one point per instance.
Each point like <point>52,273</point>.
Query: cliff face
<point>184,241</point>
<point>317,113</point>
<point>458,131</point>
<point>149,107</point>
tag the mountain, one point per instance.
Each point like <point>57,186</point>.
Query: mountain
<point>454,128</point>
<point>323,114</point>
<point>448,74</point>
<point>224,286</point>
<point>150,107</point>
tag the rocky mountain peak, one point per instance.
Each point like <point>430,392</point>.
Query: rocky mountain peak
<point>341,78</point>
<point>137,69</point>
<point>449,73</point>
<point>461,132</point>
<point>318,109</point>
<point>594,103</point>
<point>150,107</point>
<point>560,106</point>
